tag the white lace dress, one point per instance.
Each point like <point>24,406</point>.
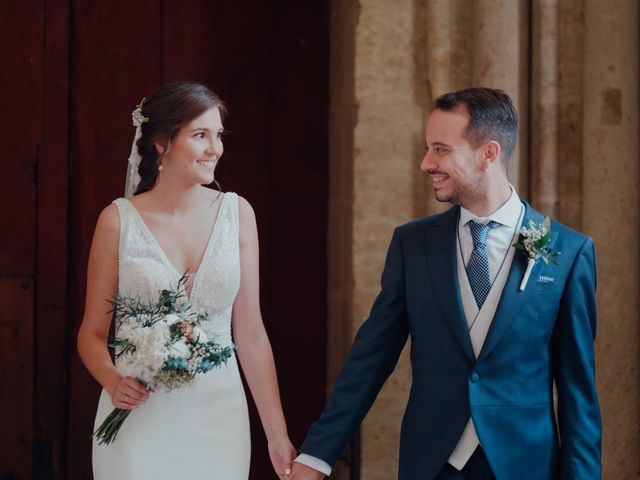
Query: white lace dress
<point>197,432</point>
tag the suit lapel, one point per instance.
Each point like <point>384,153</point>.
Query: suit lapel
<point>441,260</point>
<point>512,299</point>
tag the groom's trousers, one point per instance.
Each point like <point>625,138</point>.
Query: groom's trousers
<point>477,468</point>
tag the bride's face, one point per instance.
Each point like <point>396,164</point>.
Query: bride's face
<point>196,149</point>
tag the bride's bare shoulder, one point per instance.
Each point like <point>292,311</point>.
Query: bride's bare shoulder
<point>103,255</point>
<point>245,208</point>
<point>247,217</point>
<point>108,224</point>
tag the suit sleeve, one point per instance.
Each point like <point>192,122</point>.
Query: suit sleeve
<point>574,371</point>
<point>373,356</point>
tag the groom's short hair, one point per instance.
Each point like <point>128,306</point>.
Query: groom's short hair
<point>492,116</point>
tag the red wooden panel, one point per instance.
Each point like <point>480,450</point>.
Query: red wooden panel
<point>51,275</point>
<point>115,59</point>
<point>21,37</point>
<point>234,58</point>
<point>16,377</point>
<point>298,191</point>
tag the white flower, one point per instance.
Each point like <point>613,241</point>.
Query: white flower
<point>124,331</point>
<point>150,351</point>
<point>172,318</point>
<point>198,335</point>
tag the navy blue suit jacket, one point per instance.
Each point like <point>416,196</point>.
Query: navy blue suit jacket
<point>538,335</point>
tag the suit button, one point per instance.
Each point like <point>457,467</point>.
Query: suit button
<point>474,377</point>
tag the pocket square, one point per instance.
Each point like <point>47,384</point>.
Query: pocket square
<point>545,279</point>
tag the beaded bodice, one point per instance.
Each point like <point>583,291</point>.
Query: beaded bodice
<point>144,268</point>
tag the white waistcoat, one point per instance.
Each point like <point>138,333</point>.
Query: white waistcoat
<point>479,323</point>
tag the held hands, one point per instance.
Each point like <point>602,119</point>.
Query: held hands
<point>127,393</point>
<point>282,454</point>
<point>303,472</point>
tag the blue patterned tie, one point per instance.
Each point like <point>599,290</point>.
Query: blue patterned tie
<point>478,266</point>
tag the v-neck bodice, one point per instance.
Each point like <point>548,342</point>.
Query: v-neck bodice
<point>145,269</point>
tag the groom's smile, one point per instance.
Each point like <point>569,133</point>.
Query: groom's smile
<point>437,177</point>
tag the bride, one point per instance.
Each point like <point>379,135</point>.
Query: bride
<point>144,243</point>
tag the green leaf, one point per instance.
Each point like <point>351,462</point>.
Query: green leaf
<point>542,242</point>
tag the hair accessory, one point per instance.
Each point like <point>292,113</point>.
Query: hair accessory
<point>133,177</point>
<point>137,116</point>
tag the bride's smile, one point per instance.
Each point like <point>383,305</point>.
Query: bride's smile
<point>194,152</point>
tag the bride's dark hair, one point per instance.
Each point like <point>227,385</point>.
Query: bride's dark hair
<point>169,108</point>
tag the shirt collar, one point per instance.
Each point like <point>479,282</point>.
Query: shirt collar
<point>507,215</point>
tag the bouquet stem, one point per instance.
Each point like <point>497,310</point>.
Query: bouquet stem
<point>107,431</point>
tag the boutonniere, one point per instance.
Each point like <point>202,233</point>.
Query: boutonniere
<point>534,242</point>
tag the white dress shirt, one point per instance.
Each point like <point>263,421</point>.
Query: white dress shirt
<point>500,239</point>
<point>315,463</point>
<point>500,254</point>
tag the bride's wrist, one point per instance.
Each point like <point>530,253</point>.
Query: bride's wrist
<point>277,437</point>
<point>113,384</point>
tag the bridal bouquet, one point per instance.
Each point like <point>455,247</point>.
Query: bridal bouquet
<point>162,344</point>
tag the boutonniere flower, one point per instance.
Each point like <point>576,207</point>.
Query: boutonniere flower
<point>534,242</point>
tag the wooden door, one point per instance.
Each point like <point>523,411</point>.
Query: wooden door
<point>33,240</point>
<point>75,70</point>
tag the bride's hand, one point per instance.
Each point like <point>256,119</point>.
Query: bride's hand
<point>282,454</point>
<point>128,393</point>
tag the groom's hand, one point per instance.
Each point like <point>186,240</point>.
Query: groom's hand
<point>302,472</point>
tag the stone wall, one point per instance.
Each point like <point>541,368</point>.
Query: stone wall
<point>572,69</point>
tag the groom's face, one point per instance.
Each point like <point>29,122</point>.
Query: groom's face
<point>450,160</point>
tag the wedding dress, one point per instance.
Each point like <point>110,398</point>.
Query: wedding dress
<point>199,431</point>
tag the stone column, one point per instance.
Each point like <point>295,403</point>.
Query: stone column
<point>388,132</point>
<point>610,216</point>
<point>376,140</point>
<point>500,57</point>
<point>442,36</point>
<point>570,56</point>
<point>544,106</point>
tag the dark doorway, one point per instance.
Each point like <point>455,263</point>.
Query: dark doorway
<point>89,63</point>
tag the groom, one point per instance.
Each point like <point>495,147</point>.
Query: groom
<point>486,346</point>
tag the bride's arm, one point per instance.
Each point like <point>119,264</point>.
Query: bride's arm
<point>254,349</point>
<point>102,283</point>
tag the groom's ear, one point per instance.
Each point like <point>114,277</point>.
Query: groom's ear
<point>490,155</point>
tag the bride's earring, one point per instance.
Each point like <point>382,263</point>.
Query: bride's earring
<point>162,155</point>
